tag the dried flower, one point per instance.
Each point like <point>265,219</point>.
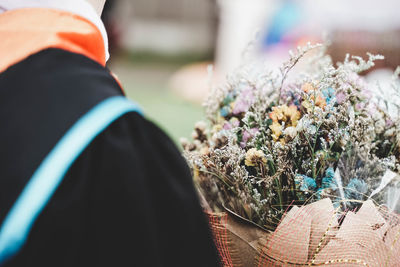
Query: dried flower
<point>269,141</point>
<point>201,125</point>
<point>329,95</point>
<point>224,111</point>
<point>319,101</point>
<point>217,128</point>
<point>247,135</point>
<point>276,129</point>
<point>255,157</point>
<point>307,87</point>
<point>340,98</point>
<point>284,113</point>
<point>184,142</point>
<point>290,133</point>
<point>305,184</point>
<point>244,101</point>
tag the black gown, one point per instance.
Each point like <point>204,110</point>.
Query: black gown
<point>128,200</point>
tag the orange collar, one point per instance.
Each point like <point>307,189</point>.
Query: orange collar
<point>27,31</point>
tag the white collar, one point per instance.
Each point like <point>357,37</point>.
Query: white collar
<point>78,7</point>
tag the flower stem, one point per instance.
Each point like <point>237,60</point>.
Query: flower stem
<point>279,189</point>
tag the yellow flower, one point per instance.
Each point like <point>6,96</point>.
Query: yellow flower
<point>288,114</point>
<point>307,105</point>
<point>277,113</point>
<point>320,102</point>
<point>273,116</point>
<point>284,113</point>
<point>293,114</point>
<point>307,87</point>
<point>276,129</point>
<point>217,128</point>
<point>233,120</point>
<point>254,157</point>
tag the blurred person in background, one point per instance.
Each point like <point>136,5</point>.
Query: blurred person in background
<point>127,199</point>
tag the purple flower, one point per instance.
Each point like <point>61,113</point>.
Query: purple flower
<point>227,126</point>
<point>340,97</point>
<point>234,122</point>
<point>254,131</point>
<point>247,135</point>
<point>244,101</point>
<point>360,106</point>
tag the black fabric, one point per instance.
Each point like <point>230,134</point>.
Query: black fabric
<point>128,200</point>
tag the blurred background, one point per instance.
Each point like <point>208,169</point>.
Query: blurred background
<point>161,49</point>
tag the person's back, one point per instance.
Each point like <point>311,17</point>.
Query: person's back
<point>128,199</point>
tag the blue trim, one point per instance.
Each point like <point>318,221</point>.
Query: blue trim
<point>44,182</point>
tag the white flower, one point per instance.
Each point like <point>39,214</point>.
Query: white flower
<point>390,132</point>
<point>290,132</point>
<point>301,124</point>
<point>201,125</point>
<point>183,141</point>
<point>195,135</point>
<point>255,157</point>
<point>379,126</point>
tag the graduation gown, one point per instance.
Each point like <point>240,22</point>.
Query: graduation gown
<point>128,199</point>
